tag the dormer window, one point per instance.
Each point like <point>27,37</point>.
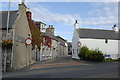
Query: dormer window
<point>42,27</point>
<point>73,51</point>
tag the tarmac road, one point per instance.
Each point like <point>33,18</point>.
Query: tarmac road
<point>67,68</point>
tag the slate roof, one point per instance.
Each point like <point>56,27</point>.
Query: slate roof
<point>49,34</point>
<point>61,40</point>
<point>98,34</point>
<point>4,14</point>
<point>36,34</point>
<point>39,22</point>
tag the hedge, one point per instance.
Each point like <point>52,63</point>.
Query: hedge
<point>91,55</point>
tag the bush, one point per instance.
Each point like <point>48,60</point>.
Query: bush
<point>92,55</point>
<point>84,50</point>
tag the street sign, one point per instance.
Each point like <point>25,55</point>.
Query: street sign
<point>28,41</point>
<point>107,55</point>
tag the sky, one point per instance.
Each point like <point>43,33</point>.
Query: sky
<point>92,15</point>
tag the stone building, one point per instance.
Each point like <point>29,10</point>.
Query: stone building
<point>18,30</point>
<point>63,46</point>
<point>70,48</point>
<point>52,46</point>
<point>45,45</point>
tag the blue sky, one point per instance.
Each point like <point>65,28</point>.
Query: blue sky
<point>95,15</point>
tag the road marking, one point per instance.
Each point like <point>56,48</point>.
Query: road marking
<point>57,65</point>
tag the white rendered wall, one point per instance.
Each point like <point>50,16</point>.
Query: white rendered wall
<point>54,45</point>
<point>110,48</point>
<point>42,27</point>
<point>75,47</point>
<point>75,40</point>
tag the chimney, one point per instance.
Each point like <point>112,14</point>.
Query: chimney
<point>28,13</point>
<point>76,21</point>
<point>115,28</point>
<point>22,8</point>
<point>27,9</point>
<point>76,25</point>
<point>23,1</point>
<point>51,29</point>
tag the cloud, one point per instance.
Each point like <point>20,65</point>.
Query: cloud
<point>103,14</point>
<point>44,14</point>
<point>68,33</point>
<point>104,4</point>
<point>104,9</point>
<point>13,5</point>
<point>64,0</point>
<point>100,20</point>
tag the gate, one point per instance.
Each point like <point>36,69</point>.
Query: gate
<point>6,57</point>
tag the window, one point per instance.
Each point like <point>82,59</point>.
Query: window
<point>43,52</point>
<point>77,51</point>
<point>73,51</point>
<point>0,36</point>
<point>106,40</point>
<point>43,27</point>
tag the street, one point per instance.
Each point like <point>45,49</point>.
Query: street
<point>66,68</point>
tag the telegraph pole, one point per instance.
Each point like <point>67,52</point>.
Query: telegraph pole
<point>8,20</point>
<point>7,35</point>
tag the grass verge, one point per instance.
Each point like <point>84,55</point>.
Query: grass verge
<point>111,60</point>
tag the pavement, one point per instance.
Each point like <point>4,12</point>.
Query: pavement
<point>56,62</point>
<point>65,67</point>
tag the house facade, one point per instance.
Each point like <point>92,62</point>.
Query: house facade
<point>104,40</point>
<point>6,60</point>
<point>70,48</point>
<point>45,45</point>
<point>51,46</point>
<point>75,41</point>
<point>62,46</point>
<point>19,54</point>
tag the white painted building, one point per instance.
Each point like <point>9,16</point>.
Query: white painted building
<point>62,46</point>
<point>75,41</point>
<point>41,26</point>
<point>52,46</point>
<point>104,40</point>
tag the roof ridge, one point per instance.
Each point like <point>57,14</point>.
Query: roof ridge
<point>10,11</point>
<point>98,34</point>
<point>95,29</point>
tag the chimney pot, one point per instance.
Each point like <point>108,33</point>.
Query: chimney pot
<point>29,14</point>
<point>76,21</point>
<point>115,28</point>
